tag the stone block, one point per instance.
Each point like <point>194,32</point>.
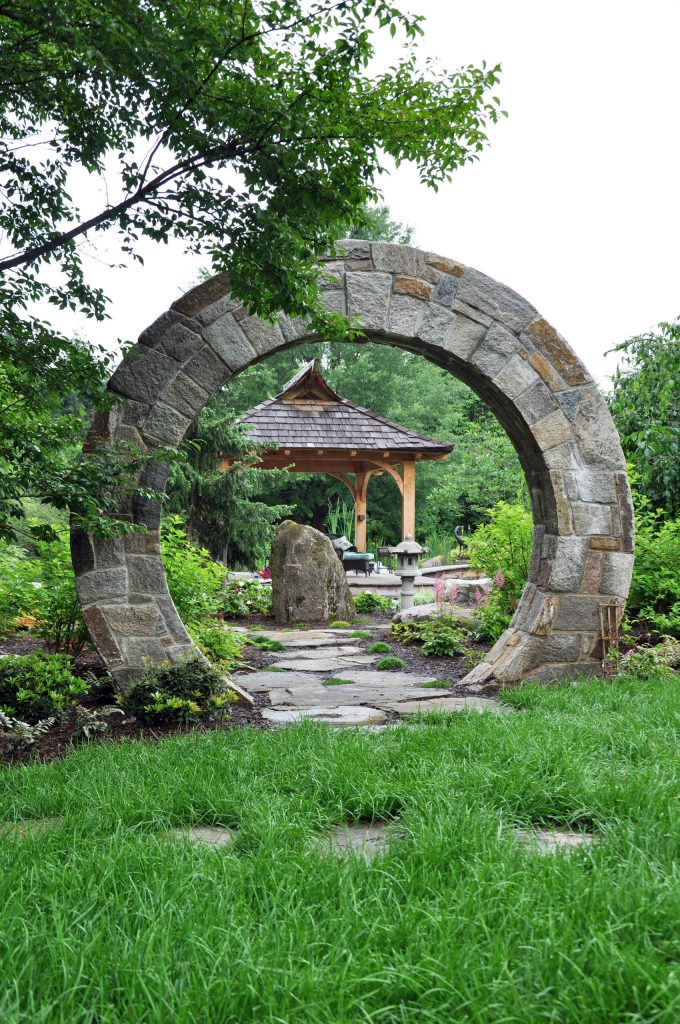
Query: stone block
<point>626,510</point>
<point>102,636</point>
<point>495,350</point>
<point>368,297</point>
<point>207,370</point>
<point>398,259</point>
<point>557,673</point>
<point>172,328</point>
<point>363,265</point>
<point>354,249</point>
<point>82,551</point>
<point>203,295</point>
<point>152,649</point>
<point>264,337</point>
<point>293,328</point>
<point>333,275</point>
<point>166,425</point>
<point>592,573</point>
<point>617,570</point>
<point>173,622</point>
<point>569,400</point>
<point>464,338</point>
<point>515,377</point>
<point>180,343</point>
<point>334,300</point>
<point>472,313</point>
<point>590,518</point>
<point>596,434</point>
<point>564,522</point>
<point>499,301</point>
<point>446,289</point>
<point>405,315</point>
<point>143,543</point>
<point>134,620</point>
<point>536,403</point>
<point>217,310</point>
<point>146,574</point>
<point>563,358</point>
<point>413,286</point>
<point>562,457</point>
<point>605,543</point>
<point>101,585</point>
<point>445,265</point>
<point>568,564</point>
<point>143,374</point>
<point>546,370</point>
<point>595,485</point>
<point>109,552</point>
<point>185,396</point>
<point>579,612</point>
<point>552,430</point>
<point>135,413</point>
<point>228,341</point>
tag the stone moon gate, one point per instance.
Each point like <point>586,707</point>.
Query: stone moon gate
<point>483,333</point>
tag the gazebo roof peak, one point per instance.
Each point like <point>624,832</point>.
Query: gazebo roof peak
<point>307,413</point>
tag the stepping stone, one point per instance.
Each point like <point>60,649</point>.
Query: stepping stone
<point>366,840</point>
<point>325,664</point>
<point>262,682</point>
<point>432,610</point>
<point>313,638</point>
<point>28,826</point>
<point>545,841</point>
<point>347,651</point>
<point>320,695</point>
<point>378,677</point>
<point>204,835</point>
<point>442,703</point>
<point>338,717</point>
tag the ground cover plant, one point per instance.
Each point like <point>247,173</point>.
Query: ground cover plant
<point>105,917</point>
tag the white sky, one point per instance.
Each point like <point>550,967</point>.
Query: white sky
<point>575,203</point>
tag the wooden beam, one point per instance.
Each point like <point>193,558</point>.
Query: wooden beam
<point>408,501</point>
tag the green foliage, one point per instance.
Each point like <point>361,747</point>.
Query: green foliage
<point>360,634</point>
<point>339,624</point>
<point>252,132</point>
<point>440,635</point>
<point>91,721</point>
<point>180,692</point>
<point>334,681</point>
<point>245,597</point>
<point>340,518</point>
<point>436,684</point>
<point>369,602</point>
<point>38,686</point>
<point>374,222</point>
<point>501,548</point>
<point>390,663</point>
<point>379,648</point>
<point>645,404</point>
<point>17,735</point>
<point>655,588</point>
<point>17,592</point>
<point>266,644</point>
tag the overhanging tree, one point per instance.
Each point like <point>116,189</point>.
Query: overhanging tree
<point>250,129</point>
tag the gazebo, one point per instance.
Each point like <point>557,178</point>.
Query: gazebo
<point>312,430</point>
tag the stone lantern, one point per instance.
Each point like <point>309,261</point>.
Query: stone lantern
<point>407,567</point>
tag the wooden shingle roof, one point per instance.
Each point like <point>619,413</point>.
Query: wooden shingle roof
<point>308,414</point>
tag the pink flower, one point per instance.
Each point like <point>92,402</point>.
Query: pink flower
<point>499,579</point>
<point>439,588</point>
<point>480,596</point>
<point>453,594</point>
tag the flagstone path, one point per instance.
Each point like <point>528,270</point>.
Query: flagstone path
<point>325,676</point>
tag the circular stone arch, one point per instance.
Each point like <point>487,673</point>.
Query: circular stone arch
<point>483,333</point>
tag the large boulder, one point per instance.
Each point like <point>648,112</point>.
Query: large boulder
<point>308,580</point>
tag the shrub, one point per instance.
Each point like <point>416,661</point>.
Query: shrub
<point>655,588</point>
<point>17,591</point>
<point>218,643</point>
<point>379,648</point>
<point>424,597</point>
<point>360,634</point>
<point>245,597</point>
<point>181,692</point>
<point>17,735</point>
<point>339,624</point>
<point>390,663</point>
<point>38,686</point>
<point>368,602</point>
<point>56,606</point>
<point>439,636</point>
<point>646,662</point>
<point>501,548</point>
<point>194,580</point>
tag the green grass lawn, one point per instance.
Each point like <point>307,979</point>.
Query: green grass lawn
<point>104,919</point>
